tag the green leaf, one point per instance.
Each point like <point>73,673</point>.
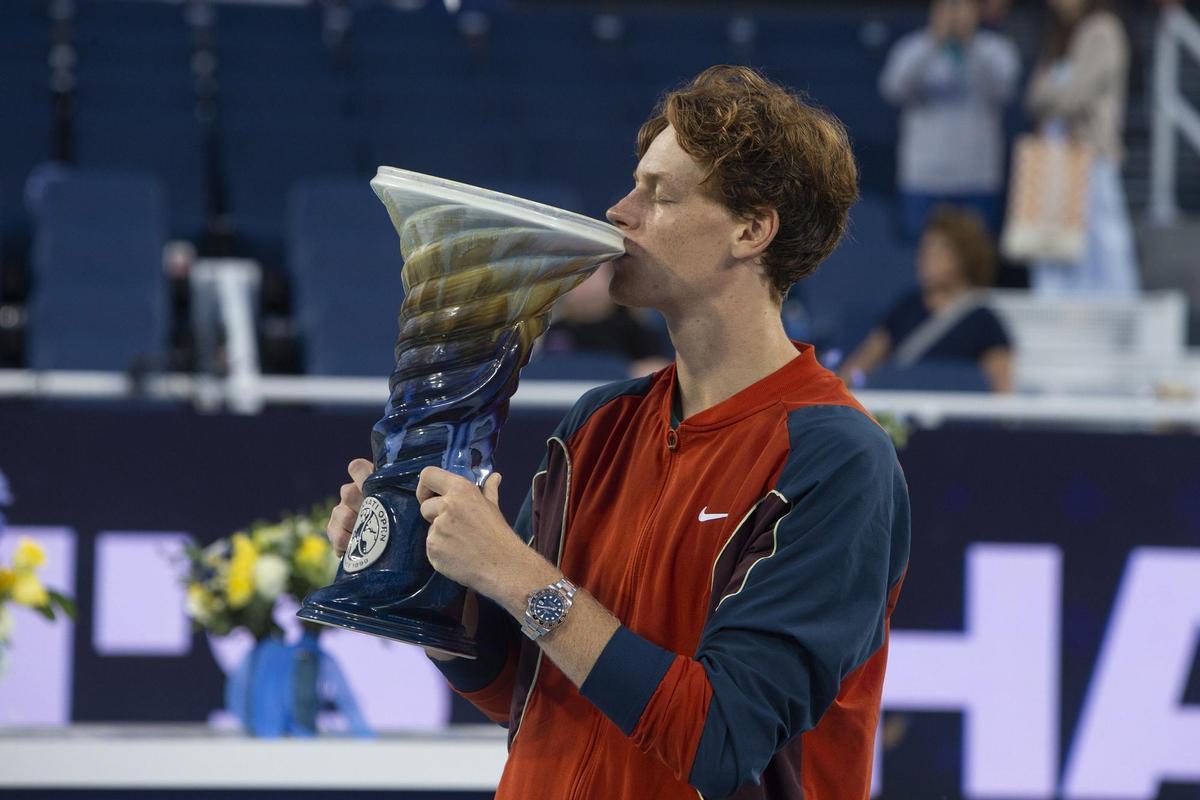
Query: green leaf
<point>46,611</point>
<point>63,602</point>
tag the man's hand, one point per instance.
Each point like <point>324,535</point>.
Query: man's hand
<point>341,521</point>
<point>341,524</point>
<point>469,540</point>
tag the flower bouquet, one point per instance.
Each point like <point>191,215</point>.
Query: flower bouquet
<point>19,584</point>
<point>235,583</point>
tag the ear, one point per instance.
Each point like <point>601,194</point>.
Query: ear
<point>755,233</point>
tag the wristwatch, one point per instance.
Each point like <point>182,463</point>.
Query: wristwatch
<point>546,608</point>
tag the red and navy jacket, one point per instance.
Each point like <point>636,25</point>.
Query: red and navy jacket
<point>753,553</point>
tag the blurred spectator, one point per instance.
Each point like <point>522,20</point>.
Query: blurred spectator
<point>587,320</point>
<point>1078,90</point>
<point>952,82</point>
<point>995,12</point>
<point>945,319</point>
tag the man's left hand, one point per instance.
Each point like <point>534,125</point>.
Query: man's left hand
<point>469,541</point>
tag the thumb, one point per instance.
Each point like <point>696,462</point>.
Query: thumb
<point>360,469</point>
<point>491,488</point>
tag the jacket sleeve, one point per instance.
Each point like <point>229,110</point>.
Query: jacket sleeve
<point>904,75</point>
<point>1098,58</point>
<point>488,681</point>
<point>993,67</point>
<point>806,608</point>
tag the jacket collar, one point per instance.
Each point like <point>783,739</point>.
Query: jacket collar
<point>802,375</point>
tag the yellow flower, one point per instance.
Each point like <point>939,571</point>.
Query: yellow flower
<point>7,579</point>
<point>241,589</point>
<point>312,552</point>
<point>28,591</point>
<point>243,547</point>
<point>28,555</point>
<point>241,571</point>
<point>315,561</point>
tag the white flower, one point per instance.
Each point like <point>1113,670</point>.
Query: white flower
<point>269,536</point>
<point>270,576</point>
<point>199,603</point>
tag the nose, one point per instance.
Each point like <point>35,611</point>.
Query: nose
<point>621,213</point>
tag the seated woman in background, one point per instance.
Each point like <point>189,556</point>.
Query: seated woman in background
<point>945,319</point>
<point>587,320</point>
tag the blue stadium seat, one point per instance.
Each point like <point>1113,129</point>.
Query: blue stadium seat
<point>404,44</point>
<point>292,28</point>
<point>856,286</point>
<point>135,102</point>
<point>283,116</point>
<point>557,46</point>
<point>264,155</point>
<point>344,258</point>
<point>100,298</point>
<point>24,106</point>
<point>596,161</point>
<point>478,154</point>
<point>553,194</point>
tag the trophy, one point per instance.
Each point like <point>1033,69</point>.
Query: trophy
<point>481,273</point>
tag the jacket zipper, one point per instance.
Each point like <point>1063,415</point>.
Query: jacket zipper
<point>644,534</point>
<point>588,762</point>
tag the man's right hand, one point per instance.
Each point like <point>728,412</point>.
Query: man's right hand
<point>341,524</point>
<point>341,520</point>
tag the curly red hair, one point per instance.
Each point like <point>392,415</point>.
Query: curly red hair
<point>764,147</point>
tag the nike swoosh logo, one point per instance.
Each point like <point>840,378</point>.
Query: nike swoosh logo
<point>705,516</point>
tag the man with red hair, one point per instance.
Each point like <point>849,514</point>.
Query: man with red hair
<point>695,596</point>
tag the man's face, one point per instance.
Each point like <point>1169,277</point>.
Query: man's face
<point>678,238</point>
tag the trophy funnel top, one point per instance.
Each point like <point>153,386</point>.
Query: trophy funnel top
<point>408,193</point>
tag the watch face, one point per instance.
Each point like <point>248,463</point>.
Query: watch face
<point>547,607</point>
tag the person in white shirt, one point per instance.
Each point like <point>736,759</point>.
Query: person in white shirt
<point>952,82</point>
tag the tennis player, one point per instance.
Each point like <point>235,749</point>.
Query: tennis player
<point>694,599</point>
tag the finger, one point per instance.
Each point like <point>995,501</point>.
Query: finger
<point>351,496</point>
<point>432,508</point>
<point>359,470</point>
<point>341,523</point>
<point>491,488</point>
<point>423,490</point>
<point>438,544</point>
<point>435,481</point>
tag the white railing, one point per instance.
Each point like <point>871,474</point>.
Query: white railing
<point>927,409</point>
<point>1177,31</point>
<point>130,757</point>
<point>223,292</point>
<point>1089,345</point>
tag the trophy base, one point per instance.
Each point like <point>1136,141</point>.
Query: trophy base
<point>430,635</point>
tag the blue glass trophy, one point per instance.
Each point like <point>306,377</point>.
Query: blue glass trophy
<point>481,273</point>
